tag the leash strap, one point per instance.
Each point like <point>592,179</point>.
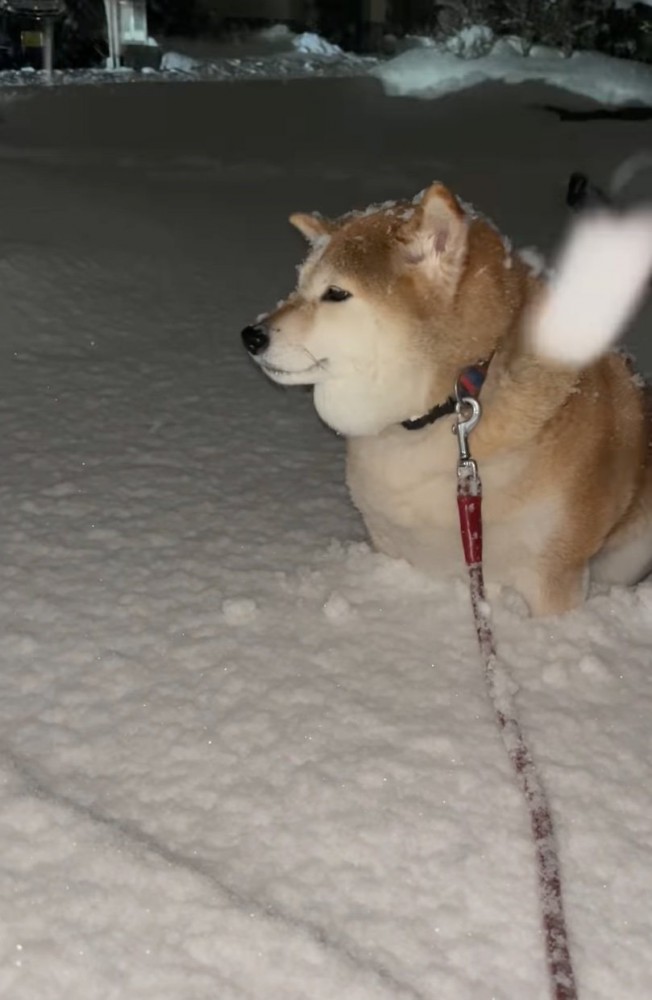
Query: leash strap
<point>500,687</point>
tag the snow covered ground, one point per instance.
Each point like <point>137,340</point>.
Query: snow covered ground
<point>241,755</point>
<point>274,53</point>
<point>473,57</point>
<point>421,68</point>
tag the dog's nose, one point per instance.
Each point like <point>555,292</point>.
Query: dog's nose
<point>255,338</point>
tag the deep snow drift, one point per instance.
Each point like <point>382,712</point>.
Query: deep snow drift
<point>242,756</point>
<point>473,57</point>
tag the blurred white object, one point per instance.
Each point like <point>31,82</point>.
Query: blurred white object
<point>600,280</point>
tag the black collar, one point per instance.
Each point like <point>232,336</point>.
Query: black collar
<point>469,383</point>
<point>440,410</point>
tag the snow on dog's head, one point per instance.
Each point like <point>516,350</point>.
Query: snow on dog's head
<point>372,322</point>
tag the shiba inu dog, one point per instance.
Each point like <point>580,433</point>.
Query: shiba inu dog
<point>391,305</point>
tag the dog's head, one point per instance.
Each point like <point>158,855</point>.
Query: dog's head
<point>373,321</point>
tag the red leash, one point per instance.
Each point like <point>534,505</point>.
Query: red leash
<point>500,687</point>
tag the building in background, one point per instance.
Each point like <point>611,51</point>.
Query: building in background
<point>127,34</point>
<point>31,42</point>
<point>132,17</point>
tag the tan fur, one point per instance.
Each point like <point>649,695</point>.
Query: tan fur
<point>564,455</point>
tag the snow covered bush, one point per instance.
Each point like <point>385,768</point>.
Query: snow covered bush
<point>563,24</point>
<point>471,43</point>
<point>454,16</point>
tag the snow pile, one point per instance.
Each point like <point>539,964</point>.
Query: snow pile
<point>472,42</point>
<point>177,62</point>
<point>432,72</point>
<point>424,68</point>
<point>312,44</point>
<point>273,53</point>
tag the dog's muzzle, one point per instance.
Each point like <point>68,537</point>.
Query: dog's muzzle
<point>255,338</point>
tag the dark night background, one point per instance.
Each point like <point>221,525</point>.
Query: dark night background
<point>356,25</point>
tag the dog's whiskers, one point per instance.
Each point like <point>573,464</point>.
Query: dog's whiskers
<point>316,361</point>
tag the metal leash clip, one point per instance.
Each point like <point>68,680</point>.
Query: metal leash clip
<point>468,411</point>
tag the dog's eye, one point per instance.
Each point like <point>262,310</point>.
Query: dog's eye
<point>335,294</point>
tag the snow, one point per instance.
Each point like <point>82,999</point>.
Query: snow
<point>461,62</point>
<point>269,54</point>
<point>178,62</point>
<point>424,68</point>
<point>471,42</point>
<point>242,756</point>
<point>313,44</point>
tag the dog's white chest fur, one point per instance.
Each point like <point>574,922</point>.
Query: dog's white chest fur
<point>405,484</point>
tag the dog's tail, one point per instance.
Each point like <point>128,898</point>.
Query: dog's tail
<point>601,278</point>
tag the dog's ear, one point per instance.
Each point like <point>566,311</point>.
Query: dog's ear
<point>435,238</point>
<point>312,226</point>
